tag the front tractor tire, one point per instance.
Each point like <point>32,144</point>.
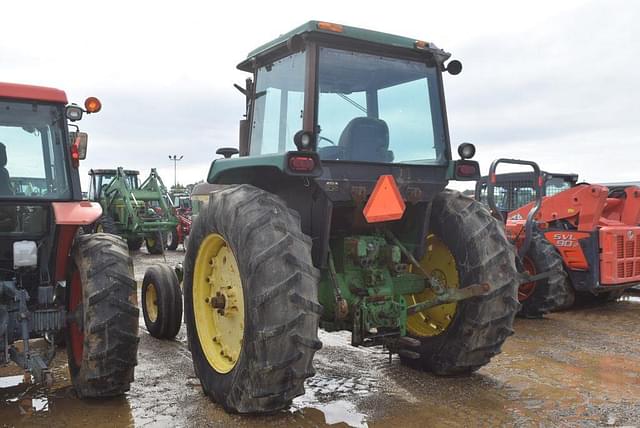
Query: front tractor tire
<point>135,242</point>
<point>161,302</point>
<point>172,240</point>
<point>102,302</point>
<point>555,292</point>
<point>251,305</point>
<point>466,246</point>
<point>154,242</point>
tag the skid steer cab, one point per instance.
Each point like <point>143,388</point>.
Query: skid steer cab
<point>58,286</point>
<point>335,214</point>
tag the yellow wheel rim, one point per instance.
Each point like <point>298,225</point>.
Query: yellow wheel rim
<point>151,302</point>
<point>218,303</point>
<point>151,242</point>
<point>439,263</point>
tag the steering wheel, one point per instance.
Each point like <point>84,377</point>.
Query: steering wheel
<point>321,138</point>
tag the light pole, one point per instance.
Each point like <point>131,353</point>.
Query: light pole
<point>175,160</point>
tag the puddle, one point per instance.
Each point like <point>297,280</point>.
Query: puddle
<point>338,411</point>
<point>10,381</point>
<point>634,299</point>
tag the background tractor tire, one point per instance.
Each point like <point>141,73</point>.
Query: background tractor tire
<point>161,302</point>
<point>480,324</point>
<point>134,243</point>
<point>279,287</point>
<point>155,243</point>
<point>171,240</point>
<point>106,224</point>
<point>102,334</point>
<point>548,294</point>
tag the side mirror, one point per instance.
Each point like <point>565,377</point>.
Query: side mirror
<point>81,140</point>
<point>227,152</point>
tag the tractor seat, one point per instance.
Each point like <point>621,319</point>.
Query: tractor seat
<point>366,139</point>
<point>5,181</point>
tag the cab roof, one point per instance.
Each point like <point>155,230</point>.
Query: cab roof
<point>345,32</point>
<point>33,93</point>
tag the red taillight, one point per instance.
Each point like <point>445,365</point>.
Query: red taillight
<point>467,170</point>
<point>75,155</point>
<point>302,163</point>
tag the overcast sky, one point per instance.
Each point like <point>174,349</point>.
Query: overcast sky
<point>556,82</point>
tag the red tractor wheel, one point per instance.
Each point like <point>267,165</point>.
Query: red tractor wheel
<point>102,333</point>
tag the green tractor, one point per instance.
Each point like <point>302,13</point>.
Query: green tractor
<point>335,215</point>
<point>137,212</point>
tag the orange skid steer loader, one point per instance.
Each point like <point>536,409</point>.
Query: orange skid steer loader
<point>594,234</point>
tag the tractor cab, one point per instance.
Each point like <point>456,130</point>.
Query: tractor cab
<point>100,179</point>
<point>341,107</point>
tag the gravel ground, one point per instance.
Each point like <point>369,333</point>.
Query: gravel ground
<point>575,368</point>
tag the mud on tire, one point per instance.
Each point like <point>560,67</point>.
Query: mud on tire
<point>549,294</point>
<point>279,284</point>
<point>483,255</point>
<point>166,319</point>
<point>102,336</point>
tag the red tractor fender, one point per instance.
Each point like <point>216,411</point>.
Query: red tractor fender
<point>69,216</point>
<point>79,213</point>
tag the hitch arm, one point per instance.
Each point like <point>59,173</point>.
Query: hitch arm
<point>451,295</point>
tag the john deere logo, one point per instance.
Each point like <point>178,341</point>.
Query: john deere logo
<point>630,235</point>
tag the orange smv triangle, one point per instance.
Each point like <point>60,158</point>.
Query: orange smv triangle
<point>385,202</point>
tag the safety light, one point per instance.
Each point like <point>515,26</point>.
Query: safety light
<point>92,105</point>
<point>329,26</point>
<point>302,163</point>
<point>303,140</point>
<point>466,150</point>
<point>421,44</point>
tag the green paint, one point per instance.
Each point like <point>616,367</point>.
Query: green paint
<point>354,33</point>
<point>372,281</point>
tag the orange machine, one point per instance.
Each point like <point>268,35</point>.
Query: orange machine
<point>596,232</point>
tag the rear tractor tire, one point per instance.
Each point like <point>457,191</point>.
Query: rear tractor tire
<point>466,246</point>
<point>251,305</point>
<point>102,332</point>
<point>161,302</point>
<point>154,243</point>
<point>555,292</point>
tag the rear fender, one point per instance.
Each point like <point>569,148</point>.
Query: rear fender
<point>79,213</point>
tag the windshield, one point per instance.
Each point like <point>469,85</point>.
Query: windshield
<point>32,151</point>
<point>556,185</point>
<point>279,100</point>
<point>378,109</point>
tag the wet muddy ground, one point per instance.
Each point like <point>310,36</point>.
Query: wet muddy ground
<point>576,368</point>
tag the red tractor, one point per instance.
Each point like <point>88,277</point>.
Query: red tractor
<point>182,207</point>
<point>583,241</point>
<point>57,283</point>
